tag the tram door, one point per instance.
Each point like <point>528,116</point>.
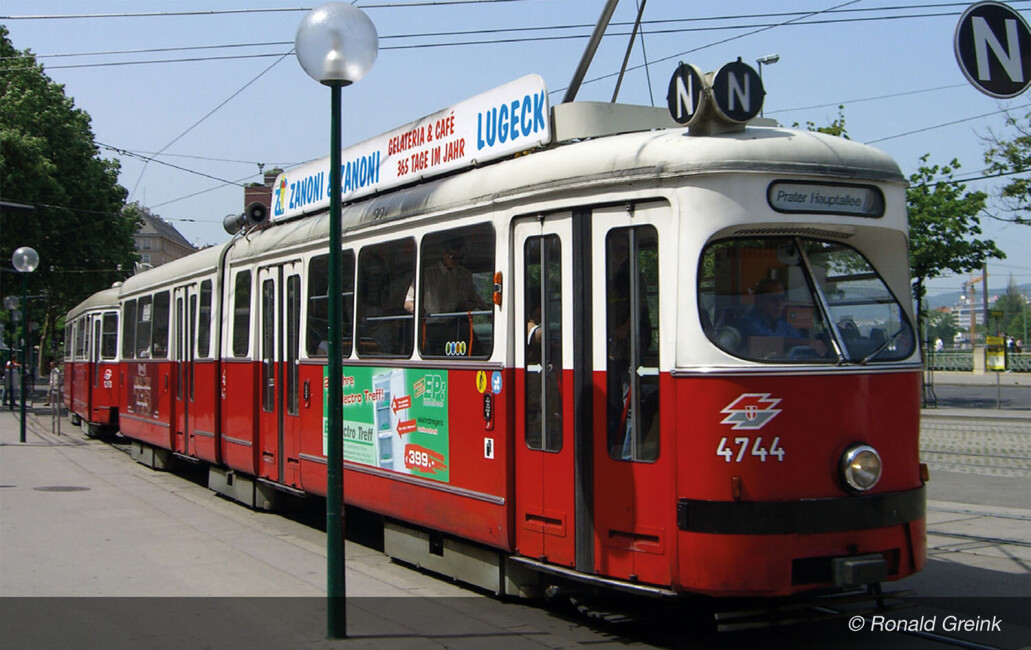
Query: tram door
<point>185,315</point>
<point>544,456</point>
<point>633,449</point>
<point>279,427</point>
<point>94,359</point>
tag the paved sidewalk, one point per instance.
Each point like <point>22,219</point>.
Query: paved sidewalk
<point>98,551</point>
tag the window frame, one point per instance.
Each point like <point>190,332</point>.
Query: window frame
<point>478,345</point>
<point>240,338</point>
<point>384,313</point>
<point>819,314</point>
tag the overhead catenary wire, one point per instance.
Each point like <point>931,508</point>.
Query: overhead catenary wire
<point>722,41</point>
<point>225,160</point>
<point>222,12</point>
<point>442,3</point>
<point>867,99</point>
<point>153,159</point>
<point>449,36</point>
<point>206,116</point>
<point>944,124</point>
<point>848,13</point>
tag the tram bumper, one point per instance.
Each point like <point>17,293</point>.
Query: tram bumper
<point>782,548</point>
<point>803,516</point>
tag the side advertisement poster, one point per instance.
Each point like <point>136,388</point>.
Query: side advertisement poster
<point>395,419</point>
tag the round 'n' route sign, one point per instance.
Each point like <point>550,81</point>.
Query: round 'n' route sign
<point>993,48</point>
<point>737,92</point>
<point>686,95</point>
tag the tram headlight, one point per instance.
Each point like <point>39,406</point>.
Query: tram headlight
<point>861,467</point>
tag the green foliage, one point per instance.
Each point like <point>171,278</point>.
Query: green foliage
<point>1011,157</point>
<point>837,127</point>
<point>943,225</point>
<point>941,325</point>
<point>48,160</point>
<point>1016,313</point>
<point>943,220</point>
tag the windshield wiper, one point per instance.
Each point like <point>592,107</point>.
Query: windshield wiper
<point>883,346</point>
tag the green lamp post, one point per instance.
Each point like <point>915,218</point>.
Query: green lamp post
<point>336,44</point>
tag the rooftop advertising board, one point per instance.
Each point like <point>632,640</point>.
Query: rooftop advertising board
<point>496,124</point>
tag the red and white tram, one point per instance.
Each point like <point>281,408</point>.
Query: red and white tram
<point>655,358</point>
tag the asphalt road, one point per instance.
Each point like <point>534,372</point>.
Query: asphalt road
<point>1007,397</point>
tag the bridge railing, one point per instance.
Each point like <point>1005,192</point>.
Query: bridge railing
<point>963,361</point>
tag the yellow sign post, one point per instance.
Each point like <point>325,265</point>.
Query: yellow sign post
<point>995,359</point>
<point>995,353</point>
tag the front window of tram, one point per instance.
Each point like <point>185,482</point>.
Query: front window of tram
<point>796,300</point>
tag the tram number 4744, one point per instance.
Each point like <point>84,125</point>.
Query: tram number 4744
<point>743,443</point>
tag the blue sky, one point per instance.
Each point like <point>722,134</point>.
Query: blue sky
<point>893,70</point>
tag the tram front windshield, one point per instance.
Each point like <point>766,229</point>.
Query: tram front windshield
<point>799,300</point>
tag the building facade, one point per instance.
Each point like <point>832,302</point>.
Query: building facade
<point>158,242</point>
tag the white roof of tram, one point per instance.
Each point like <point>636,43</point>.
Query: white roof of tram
<point>104,299</point>
<point>586,163</point>
<point>594,163</point>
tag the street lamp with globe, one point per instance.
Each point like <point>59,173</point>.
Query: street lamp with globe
<point>336,44</point>
<point>25,261</point>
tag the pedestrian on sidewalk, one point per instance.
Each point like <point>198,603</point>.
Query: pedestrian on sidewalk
<point>54,387</point>
<point>10,372</point>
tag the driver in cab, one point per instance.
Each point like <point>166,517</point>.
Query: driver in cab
<point>764,327</point>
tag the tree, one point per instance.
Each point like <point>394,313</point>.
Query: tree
<point>941,325</point>
<point>837,127</point>
<point>1011,157</point>
<point>49,161</point>
<point>943,220</point>
<point>1016,313</point>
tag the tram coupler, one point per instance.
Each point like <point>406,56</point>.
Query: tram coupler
<point>859,570</point>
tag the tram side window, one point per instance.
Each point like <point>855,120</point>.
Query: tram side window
<point>82,339</point>
<point>293,342</point>
<point>144,319</point>
<point>317,324</point>
<point>67,342</point>
<point>162,312</point>
<point>97,338</point>
<point>632,335</point>
<point>268,345</point>
<point>129,329</point>
<point>109,337</point>
<point>242,314</point>
<point>456,285</point>
<point>204,320</point>
<point>542,277</point>
<point>385,273</point>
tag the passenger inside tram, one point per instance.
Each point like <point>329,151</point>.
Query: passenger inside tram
<point>448,299</point>
<point>449,286</point>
